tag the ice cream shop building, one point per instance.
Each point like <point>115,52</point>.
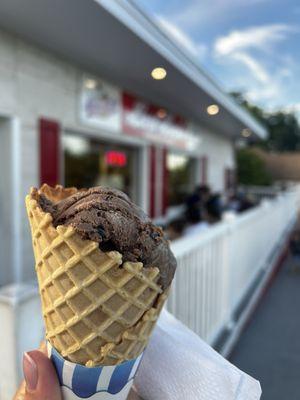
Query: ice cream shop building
<point>81,104</point>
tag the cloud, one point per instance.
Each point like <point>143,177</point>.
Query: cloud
<point>257,37</point>
<point>198,50</point>
<point>292,108</point>
<point>195,13</point>
<point>272,93</point>
<point>263,78</point>
<point>269,93</point>
<point>259,85</point>
<point>253,65</point>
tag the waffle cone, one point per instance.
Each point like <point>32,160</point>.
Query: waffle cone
<point>97,309</point>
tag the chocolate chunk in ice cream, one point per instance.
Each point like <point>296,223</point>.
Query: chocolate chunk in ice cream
<point>108,217</point>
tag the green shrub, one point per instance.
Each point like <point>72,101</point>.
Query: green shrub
<point>251,169</point>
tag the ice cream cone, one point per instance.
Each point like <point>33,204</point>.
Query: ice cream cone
<point>97,309</point>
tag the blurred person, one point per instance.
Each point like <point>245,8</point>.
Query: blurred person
<point>245,203</point>
<point>193,204</point>
<point>175,229</point>
<point>204,193</point>
<point>240,202</point>
<point>214,208</point>
<point>196,224</point>
<point>196,202</point>
<point>233,203</point>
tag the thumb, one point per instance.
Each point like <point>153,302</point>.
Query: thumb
<point>40,377</point>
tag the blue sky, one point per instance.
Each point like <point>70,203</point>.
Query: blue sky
<point>246,45</point>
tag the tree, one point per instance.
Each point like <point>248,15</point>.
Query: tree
<point>256,111</point>
<point>251,169</point>
<point>284,132</point>
<point>283,128</point>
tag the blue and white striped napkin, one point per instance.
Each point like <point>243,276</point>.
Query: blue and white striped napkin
<point>97,383</point>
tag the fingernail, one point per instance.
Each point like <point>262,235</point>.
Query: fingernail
<point>30,372</point>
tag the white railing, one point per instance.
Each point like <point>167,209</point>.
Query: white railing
<point>21,330</point>
<point>217,268</point>
<point>267,192</point>
<point>261,192</point>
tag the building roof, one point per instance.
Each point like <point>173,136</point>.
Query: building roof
<point>116,40</point>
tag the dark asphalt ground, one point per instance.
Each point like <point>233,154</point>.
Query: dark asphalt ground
<point>269,347</point>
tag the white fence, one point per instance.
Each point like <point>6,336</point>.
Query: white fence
<point>267,192</point>
<point>261,192</point>
<point>21,330</point>
<point>217,268</point>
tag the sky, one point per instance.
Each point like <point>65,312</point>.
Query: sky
<point>251,46</point>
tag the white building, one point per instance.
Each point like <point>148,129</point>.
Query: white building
<point>78,106</point>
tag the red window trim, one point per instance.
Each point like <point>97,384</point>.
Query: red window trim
<point>165,191</point>
<point>152,180</point>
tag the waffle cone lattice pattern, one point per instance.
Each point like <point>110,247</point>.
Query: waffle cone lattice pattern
<point>96,309</point>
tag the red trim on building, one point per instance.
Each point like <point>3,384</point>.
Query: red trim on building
<point>204,168</point>
<point>128,100</point>
<point>49,151</point>
<point>165,191</point>
<point>152,157</point>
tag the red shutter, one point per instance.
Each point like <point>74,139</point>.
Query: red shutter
<point>49,152</point>
<point>165,191</point>
<point>203,166</point>
<point>152,180</point>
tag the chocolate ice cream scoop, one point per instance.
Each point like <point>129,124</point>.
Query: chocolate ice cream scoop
<point>108,217</point>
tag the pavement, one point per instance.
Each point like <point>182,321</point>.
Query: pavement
<point>269,347</point>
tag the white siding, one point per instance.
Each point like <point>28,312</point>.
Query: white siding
<point>220,154</point>
<point>6,217</point>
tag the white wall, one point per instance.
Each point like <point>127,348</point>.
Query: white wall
<point>6,213</point>
<point>220,153</point>
<point>34,84</point>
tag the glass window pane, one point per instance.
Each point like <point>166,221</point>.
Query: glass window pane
<point>180,172</point>
<point>89,162</point>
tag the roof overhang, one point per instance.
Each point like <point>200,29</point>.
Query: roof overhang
<point>116,40</point>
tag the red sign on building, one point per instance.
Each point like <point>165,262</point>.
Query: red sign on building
<point>156,124</point>
<point>115,158</point>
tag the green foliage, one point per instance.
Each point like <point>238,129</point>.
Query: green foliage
<point>251,169</point>
<point>283,128</point>
<point>256,111</point>
<point>284,132</point>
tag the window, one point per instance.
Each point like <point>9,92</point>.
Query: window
<point>181,169</point>
<point>89,162</point>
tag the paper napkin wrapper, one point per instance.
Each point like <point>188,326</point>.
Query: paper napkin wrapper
<point>179,365</point>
